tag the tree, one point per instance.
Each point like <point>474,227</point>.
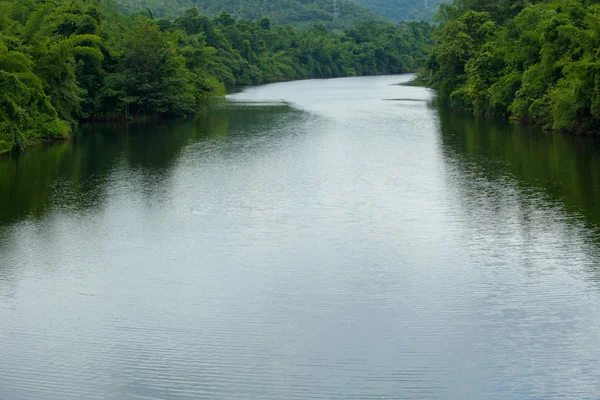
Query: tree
<point>73,60</point>
<point>532,61</point>
<point>151,77</point>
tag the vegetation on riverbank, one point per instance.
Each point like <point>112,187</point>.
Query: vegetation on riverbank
<point>63,61</point>
<point>534,61</point>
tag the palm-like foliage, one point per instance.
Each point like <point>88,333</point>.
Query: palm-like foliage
<point>67,60</point>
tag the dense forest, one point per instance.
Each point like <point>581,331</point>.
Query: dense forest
<point>301,14</point>
<point>535,61</point>
<point>64,61</point>
<point>403,10</point>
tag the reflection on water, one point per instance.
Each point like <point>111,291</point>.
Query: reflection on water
<point>74,174</point>
<point>524,182</point>
<point>565,168</point>
<point>309,240</point>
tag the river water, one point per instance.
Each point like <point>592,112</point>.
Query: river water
<point>327,239</point>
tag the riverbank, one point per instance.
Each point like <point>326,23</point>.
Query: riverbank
<point>76,61</point>
<point>209,103</point>
<point>534,63</point>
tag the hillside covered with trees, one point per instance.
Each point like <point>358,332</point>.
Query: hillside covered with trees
<point>302,14</point>
<point>403,10</point>
<point>533,61</point>
<point>70,60</point>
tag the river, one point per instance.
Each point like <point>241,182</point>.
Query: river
<point>325,239</point>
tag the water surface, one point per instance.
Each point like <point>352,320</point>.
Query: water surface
<point>329,239</point>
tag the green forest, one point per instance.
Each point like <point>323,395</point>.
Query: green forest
<point>533,61</point>
<point>301,14</point>
<point>65,61</point>
<point>403,10</point>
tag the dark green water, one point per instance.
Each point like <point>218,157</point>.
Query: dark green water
<point>337,239</point>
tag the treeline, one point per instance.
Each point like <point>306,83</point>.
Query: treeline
<point>69,60</point>
<point>301,14</point>
<point>535,61</point>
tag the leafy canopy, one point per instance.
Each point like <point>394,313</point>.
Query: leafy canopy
<point>534,61</point>
<point>63,61</point>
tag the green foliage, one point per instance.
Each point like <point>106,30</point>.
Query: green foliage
<point>26,112</point>
<point>403,10</point>
<point>69,60</point>
<point>302,14</point>
<point>151,78</point>
<point>533,61</point>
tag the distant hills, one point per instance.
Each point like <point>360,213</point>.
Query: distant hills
<point>403,10</point>
<point>299,13</point>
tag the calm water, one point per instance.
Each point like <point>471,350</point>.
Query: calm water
<point>337,239</point>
